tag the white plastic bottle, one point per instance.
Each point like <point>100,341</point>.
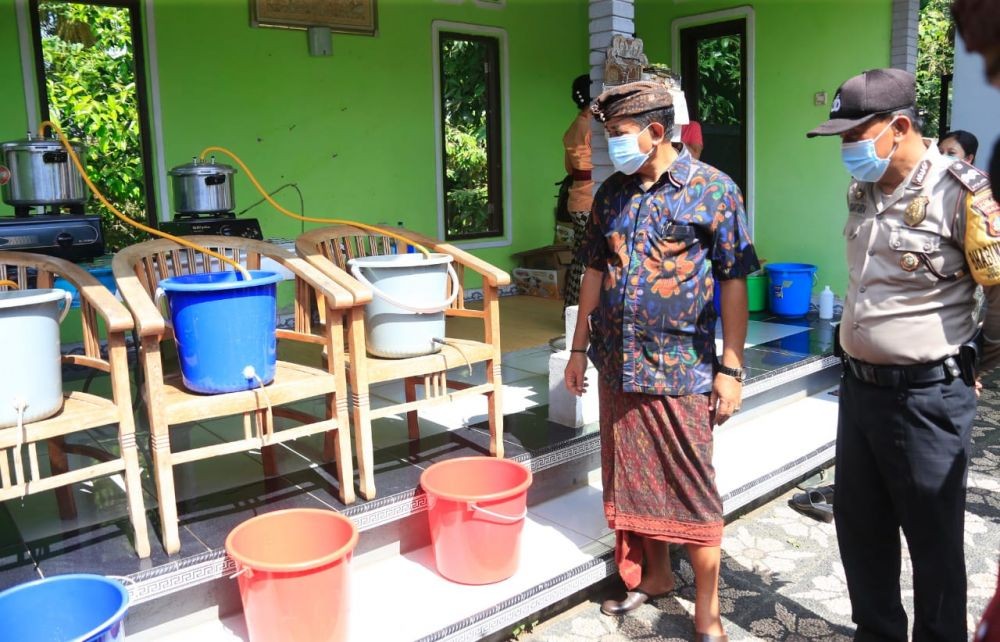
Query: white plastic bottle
<point>826,303</point>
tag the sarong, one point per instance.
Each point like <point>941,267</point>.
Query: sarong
<point>656,466</point>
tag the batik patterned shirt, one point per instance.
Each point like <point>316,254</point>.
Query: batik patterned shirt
<point>661,251</point>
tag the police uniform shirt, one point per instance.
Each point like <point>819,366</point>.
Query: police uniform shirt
<point>910,298</point>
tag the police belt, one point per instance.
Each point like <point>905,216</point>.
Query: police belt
<point>911,375</point>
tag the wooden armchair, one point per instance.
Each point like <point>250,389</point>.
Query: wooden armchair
<point>81,410</point>
<point>329,249</point>
<point>139,268</point>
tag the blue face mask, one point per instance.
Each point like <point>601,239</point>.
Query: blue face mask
<point>862,161</point>
<point>625,153</point>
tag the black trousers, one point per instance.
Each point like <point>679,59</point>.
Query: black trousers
<point>902,462</point>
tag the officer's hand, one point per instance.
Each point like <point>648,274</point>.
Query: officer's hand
<point>727,393</point>
<point>576,383</point>
<point>979,386</point>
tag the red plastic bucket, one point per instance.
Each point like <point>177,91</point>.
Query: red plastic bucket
<point>476,508</point>
<point>293,574</point>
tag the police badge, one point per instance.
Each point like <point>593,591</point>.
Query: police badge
<point>916,211</point>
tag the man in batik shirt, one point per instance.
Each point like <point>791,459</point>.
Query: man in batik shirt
<point>664,231</point>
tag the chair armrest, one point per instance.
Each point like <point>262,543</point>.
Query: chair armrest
<point>360,293</point>
<point>492,275</point>
<point>148,318</point>
<point>337,296</point>
<point>116,316</point>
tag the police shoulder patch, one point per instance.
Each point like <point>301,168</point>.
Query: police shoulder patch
<point>970,176</point>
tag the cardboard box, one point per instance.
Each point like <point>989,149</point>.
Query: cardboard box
<point>543,283</point>
<point>555,258</point>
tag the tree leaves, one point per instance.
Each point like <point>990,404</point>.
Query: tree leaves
<point>90,84</point>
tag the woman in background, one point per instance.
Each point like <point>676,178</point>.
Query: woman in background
<point>959,144</point>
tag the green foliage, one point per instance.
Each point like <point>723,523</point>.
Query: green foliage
<point>720,81</point>
<point>935,56</point>
<point>464,105</point>
<point>90,81</point>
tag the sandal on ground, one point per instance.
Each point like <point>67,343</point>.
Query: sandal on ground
<point>816,503</point>
<point>633,600</point>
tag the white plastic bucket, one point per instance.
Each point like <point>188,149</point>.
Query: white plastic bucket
<point>406,314</point>
<point>29,338</point>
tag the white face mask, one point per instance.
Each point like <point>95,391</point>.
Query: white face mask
<point>625,153</point>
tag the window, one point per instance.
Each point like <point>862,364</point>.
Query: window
<point>91,82</point>
<point>714,69</point>
<point>470,113</point>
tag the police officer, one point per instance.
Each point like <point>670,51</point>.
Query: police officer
<point>922,229</point>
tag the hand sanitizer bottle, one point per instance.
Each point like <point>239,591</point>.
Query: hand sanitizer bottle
<point>826,303</point>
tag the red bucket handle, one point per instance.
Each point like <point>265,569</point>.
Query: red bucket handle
<point>473,506</point>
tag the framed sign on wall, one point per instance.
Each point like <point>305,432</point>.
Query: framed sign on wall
<point>341,16</point>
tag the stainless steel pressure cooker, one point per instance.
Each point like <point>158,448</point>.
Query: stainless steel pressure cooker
<point>39,171</point>
<point>202,188</point>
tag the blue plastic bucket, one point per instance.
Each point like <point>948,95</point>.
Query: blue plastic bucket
<point>64,608</point>
<point>791,288</point>
<point>222,324</point>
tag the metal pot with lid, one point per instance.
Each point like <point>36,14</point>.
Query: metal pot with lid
<point>203,188</point>
<point>39,171</point>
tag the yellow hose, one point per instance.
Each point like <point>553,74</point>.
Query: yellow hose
<point>309,219</point>
<point>9,284</point>
<point>145,228</point>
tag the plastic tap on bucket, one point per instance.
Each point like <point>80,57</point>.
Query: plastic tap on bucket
<point>407,261</point>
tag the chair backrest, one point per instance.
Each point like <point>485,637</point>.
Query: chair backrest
<point>37,271</point>
<point>341,243</point>
<point>153,261</point>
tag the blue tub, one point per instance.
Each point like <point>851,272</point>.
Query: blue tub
<point>222,325</point>
<point>64,608</point>
<point>103,275</point>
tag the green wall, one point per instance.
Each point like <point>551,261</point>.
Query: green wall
<point>802,47</point>
<point>356,130</point>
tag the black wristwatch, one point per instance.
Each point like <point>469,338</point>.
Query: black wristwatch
<point>736,373</point>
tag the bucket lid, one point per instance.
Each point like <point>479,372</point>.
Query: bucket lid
<point>22,298</point>
<point>400,260</point>
<point>215,281</point>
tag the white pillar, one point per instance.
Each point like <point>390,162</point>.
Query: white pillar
<point>974,102</point>
<point>608,18</point>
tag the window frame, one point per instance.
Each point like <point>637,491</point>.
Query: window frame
<point>499,168</point>
<point>747,14</point>
<point>142,102</point>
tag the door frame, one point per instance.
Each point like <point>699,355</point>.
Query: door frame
<point>437,27</point>
<point>747,14</point>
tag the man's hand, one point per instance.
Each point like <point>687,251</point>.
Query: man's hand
<point>576,383</point>
<point>727,393</point>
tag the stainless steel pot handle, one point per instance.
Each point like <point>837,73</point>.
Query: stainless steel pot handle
<point>54,157</point>
<point>215,179</point>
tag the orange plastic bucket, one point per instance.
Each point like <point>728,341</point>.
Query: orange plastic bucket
<point>476,508</point>
<point>292,567</point>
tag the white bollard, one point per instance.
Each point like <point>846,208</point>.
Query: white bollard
<point>566,408</point>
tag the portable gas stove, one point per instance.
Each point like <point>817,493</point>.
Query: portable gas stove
<point>204,202</point>
<point>49,200</point>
